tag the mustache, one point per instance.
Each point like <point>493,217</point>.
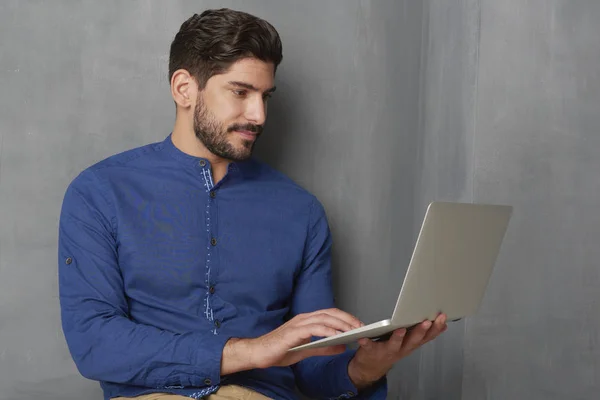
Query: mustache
<point>246,127</point>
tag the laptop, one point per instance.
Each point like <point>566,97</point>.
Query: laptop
<point>449,270</point>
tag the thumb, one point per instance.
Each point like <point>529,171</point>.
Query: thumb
<point>366,343</point>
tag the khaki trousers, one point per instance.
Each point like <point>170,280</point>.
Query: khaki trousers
<point>229,392</point>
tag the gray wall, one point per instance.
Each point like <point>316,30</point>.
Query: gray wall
<point>381,107</point>
<point>537,146</point>
<point>444,164</point>
<point>81,81</point>
<point>511,114</point>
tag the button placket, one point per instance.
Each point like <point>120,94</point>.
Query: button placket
<point>211,233</point>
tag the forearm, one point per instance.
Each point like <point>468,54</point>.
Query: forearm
<point>118,350</point>
<point>237,356</point>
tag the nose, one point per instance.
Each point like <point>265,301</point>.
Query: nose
<point>256,111</point>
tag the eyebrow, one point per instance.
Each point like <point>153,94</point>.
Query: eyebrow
<point>250,87</point>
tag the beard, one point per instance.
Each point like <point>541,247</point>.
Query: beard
<point>214,135</point>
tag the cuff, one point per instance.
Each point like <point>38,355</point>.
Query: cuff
<point>345,386</point>
<point>341,380</point>
<point>207,358</point>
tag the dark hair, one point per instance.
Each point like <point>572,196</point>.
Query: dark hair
<point>209,43</point>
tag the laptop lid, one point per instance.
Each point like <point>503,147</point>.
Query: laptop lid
<point>452,261</point>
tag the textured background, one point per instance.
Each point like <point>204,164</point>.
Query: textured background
<point>381,107</point>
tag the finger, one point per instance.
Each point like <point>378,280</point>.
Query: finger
<point>326,320</point>
<point>339,314</point>
<point>366,343</point>
<point>396,340</point>
<point>349,318</point>
<point>436,329</point>
<point>442,318</point>
<point>415,338</point>
<point>307,331</point>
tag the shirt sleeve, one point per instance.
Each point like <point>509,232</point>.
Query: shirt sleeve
<point>105,344</point>
<point>324,377</point>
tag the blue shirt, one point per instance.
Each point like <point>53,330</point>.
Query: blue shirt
<point>159,267</point>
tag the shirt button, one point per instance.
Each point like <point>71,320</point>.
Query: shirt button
<point>213,194</point>
<point>213,241</point>
<point>202,163</point>
<point>212,290</point>
<point>68,261</point>
<point>217,323</point>
<point>207,382</point>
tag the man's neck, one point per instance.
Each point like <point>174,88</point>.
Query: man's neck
<point>188,143</point>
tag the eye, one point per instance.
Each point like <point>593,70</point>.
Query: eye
<point>239,92</point>
<point>267,96</point>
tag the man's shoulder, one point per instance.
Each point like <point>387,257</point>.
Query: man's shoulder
<point>127,157</point>
<point>282,189</point>
<point>116,163</point>
<point>278,180</point>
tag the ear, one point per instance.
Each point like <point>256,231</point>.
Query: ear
<point>183,89</point>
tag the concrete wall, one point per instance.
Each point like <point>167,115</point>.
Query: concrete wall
<point>511,114</point>
<point>81,81</point>
<point>537,146</point>
<point>445,165</point>
<point>510,111</point>
<point>381,107</point>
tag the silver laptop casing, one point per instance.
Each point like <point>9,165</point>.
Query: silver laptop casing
<point>449,270</point>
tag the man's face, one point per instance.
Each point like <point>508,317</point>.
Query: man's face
<point>232,108</point>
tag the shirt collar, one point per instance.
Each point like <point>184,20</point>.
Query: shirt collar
<point>245,168</point>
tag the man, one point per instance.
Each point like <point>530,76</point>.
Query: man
<point>188,269</point>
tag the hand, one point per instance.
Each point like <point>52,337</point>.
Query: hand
<point>373,360</point>
<point>272,349</point>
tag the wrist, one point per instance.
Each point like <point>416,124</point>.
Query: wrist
<point>237,356</point>
<point>361,375</point>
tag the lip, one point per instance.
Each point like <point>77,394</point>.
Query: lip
<point>247,135</point>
